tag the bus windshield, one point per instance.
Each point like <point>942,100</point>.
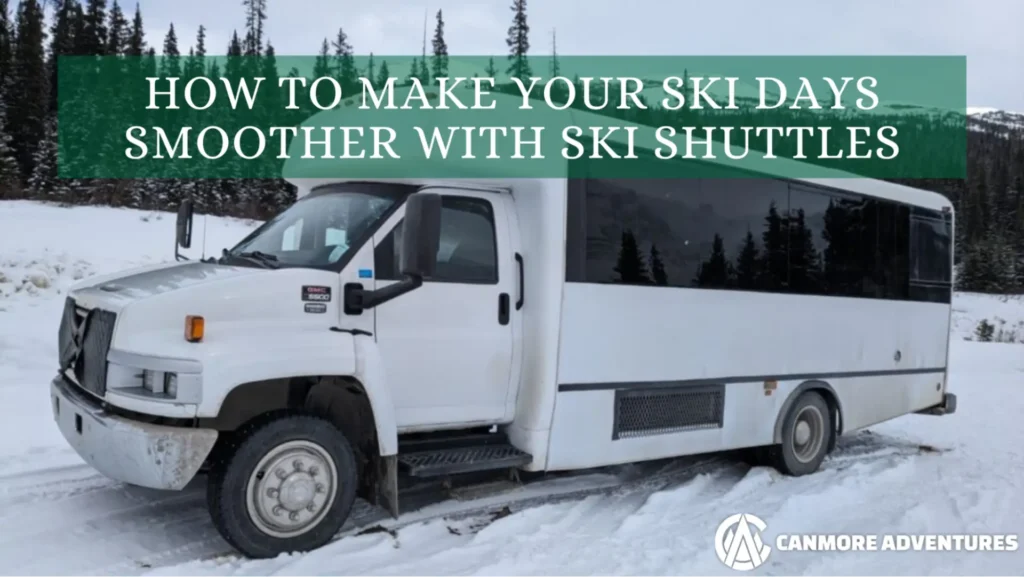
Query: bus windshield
<point>316,231</point>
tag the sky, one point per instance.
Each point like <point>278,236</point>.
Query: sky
<point>990,33</point>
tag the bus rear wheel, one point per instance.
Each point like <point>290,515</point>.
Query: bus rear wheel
<point>286,485</point>
<point>806,433</point>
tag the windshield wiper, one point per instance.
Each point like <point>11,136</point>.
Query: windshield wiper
<point>261,258</point>
<point>268,260</point>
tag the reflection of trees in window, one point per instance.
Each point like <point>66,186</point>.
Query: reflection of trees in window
<point>630,267</point>
<point>804,262</point>
<point>757,235</point>
<point>842,235</point>
<point>715,271</point>
<point>658,267</point>
<point>774,268</point>
<point>747,264</point>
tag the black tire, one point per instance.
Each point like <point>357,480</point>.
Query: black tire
<point>228,495</point>
<point>792,457</point>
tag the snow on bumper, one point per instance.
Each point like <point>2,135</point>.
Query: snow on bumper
<point>154,456</point>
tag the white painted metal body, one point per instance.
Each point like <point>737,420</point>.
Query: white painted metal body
<point>436,358</point>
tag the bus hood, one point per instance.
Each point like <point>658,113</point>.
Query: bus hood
<point>114,291</point>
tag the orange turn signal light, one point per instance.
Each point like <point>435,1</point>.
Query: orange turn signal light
<point>194,328</point>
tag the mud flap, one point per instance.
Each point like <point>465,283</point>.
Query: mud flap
<point>386,490</point>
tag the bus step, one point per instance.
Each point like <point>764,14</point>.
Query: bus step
<point>462,460</point>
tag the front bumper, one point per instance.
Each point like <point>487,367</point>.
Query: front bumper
<point>154,456</point>
<point>946,407</point>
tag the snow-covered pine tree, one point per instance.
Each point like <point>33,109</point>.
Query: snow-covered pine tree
<point>43,184</point>
<point>10,176</point>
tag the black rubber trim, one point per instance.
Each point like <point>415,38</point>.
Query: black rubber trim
<point>578,387</point>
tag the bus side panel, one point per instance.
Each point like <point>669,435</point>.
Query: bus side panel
<point>731,359</point>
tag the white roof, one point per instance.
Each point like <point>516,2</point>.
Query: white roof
<point>779,167</point>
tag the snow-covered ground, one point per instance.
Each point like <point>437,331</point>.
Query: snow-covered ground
<point>57,516</point>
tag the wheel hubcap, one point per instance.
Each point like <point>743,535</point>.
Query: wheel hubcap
<point>808,434</point>
<point>803,433</point>
<point>291,489</point>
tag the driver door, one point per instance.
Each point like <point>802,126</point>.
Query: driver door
<point>447,347</point>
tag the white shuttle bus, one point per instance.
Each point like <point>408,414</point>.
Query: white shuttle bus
<point>434,328</point>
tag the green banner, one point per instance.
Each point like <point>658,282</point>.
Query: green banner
<point>484,117</point>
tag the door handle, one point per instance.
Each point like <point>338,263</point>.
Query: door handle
<point>522,281</point>
<point>503,306</point>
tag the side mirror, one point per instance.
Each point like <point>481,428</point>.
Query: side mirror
<point>183,226</point>
<point>421,235</point>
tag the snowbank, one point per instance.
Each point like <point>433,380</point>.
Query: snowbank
<point>1005,314</point>
<point>45,248</point>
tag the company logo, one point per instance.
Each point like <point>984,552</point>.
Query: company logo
<point>738,542</point>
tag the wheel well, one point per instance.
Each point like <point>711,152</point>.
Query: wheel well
<point>831,399</point>
<point>341,400</point>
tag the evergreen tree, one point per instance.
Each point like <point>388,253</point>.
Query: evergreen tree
<point>170,64</point>
<point>414,71</point>
<point>43,183</point>
<point>630,267</point>
<point>29,90</point>
<point>439,61</point>
<point>383,74</point>
<point>423,73</point>
<point>255,18</point>
<point>78,30</point>
<point>322,64</point>
<point>195,64</point>
<point>371,72</point>
<point>233,65</point>
<point>658,267</point>
<point>201,42</point>
<point>66,20</point>
<point>518,42</point>
<point>10,175</point>
<point>95,37</point>
<point>136,44</point>
<point>345,64</point>
<point>6,46</point>
<point>492,70</point>
<point>118,31</point>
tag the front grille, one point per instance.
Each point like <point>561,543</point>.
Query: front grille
<point>641,413</point>
<point>84,341</point>
<point>65,338</point>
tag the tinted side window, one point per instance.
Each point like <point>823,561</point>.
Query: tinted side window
<point>749,241</point>
<point>754,234</point>
<point>929,250</point>
<point>930,269</point>
<point>468,250</point>
<point>808,212</point>
<point>706,233</point>
<point>891,267</point>
<point>846,245</point>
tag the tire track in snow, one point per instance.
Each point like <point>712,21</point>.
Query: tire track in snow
<point>71,519</point>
